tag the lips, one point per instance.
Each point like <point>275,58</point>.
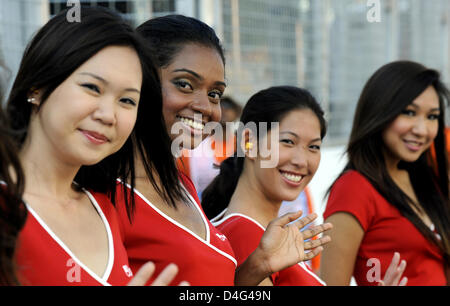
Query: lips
<point>413,145</point>
<point>197,125</point>
<point>95,137</point>
<point>292,178</point>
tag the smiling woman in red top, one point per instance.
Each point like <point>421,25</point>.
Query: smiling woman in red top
<point>388,198</point>
<point>76,107</point>
<point>251,191</point>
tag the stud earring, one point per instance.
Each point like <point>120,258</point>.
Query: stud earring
<point>248,146</point>
<point>31,100</point>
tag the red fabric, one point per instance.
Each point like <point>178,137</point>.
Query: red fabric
<point>245,234</point>
<point>42,261</point>
<point>155,237</point>
<point>386,232</point>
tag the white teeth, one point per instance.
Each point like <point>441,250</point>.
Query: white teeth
<point>292,177</point>
<point>192,123</point>
<point>413,142</point>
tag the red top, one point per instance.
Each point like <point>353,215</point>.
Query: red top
<point>386,231</point>
<point>245,234</point>
<point>154,236</point>
<point>44,260</point>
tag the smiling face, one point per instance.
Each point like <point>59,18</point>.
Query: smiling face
<point>298,157</point>
<point>192,85</point>
<point>91,114</point>
<point>414,130</point>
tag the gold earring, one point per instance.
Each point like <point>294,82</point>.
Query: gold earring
<point>248,146</point>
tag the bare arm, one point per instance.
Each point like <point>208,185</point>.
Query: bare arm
<point>339,256</point>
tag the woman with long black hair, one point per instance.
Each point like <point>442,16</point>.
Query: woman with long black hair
<point>84,96</point>
<point>388,197</point>
<point>249,194</point>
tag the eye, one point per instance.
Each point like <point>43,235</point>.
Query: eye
<point>91,86</point>
<point>315,147</point>
<point>408,112</point>
<point>287,141</point>
<point>184,85</point>
<point>215,95</point>
<point>433,116</point>
<point>128,101</point>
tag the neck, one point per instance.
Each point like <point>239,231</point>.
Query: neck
<point>47,176</point>
<point>140,173</point>
<point>249,199</point>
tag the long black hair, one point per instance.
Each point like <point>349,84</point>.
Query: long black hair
<point>12,210</point>
<point>269,105</point>
<point>54,53</point>
<point>386,94</point>
<point>167,35</point>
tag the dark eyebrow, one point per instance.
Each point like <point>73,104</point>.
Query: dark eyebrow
<point>133,89</point>
<point>435,110</point>
<point>197,76</point>
<point>95,77</point>
<point>105,81</point>
<point>295,135</point>
<point>438,109</point>
<point>288,132</point>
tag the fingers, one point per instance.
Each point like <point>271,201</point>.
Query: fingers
<point>286,218</point>
<point>313,253</point>
<point>398,273</point>
<point>184,283</point>
<point>316,230</point>
<point>163,279</point>
<point>395,271</point>
<point>143,275</point>
<point>312,244</point>
<point>166,276</point>
<point>392,267</point>
<point>301,223</point>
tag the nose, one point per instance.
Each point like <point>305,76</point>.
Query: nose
<point>299,158</point>
<point>420,127</point>
<point>202,104</point>
<point>105,111</point>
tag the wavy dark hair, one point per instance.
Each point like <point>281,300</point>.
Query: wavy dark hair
<point>12,210</point>
<point>386,94</point>
<point>269,105</point>
<point>54,53</point>
<point>167,35</point>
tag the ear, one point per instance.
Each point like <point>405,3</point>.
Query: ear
<point>249,144</point>
<point>34,97</point>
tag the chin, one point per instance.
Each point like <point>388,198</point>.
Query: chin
<point>91,162</point>
<point>411,158</point>
<point>291,197</point>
